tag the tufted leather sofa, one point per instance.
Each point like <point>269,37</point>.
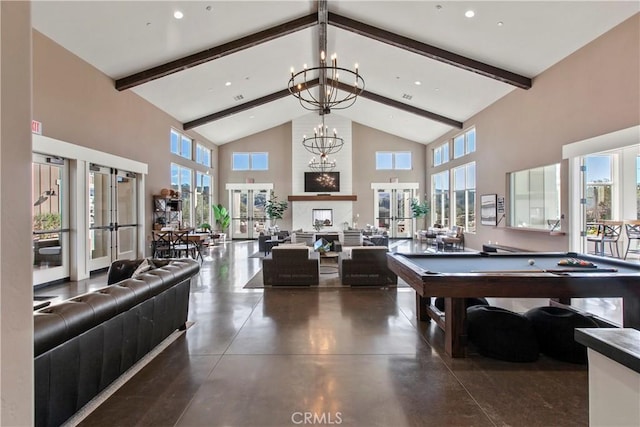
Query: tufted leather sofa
<point>83,344</point>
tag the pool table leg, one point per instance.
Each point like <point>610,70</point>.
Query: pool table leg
<point>422,303</point>
<point>455,331</point>
<point>631,312</point>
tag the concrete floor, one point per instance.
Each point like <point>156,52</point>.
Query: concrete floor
<point>356,357</point>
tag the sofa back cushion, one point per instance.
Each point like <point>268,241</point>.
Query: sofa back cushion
<point>289,253</point>
<point>300,236</point>
<point>370,253</point>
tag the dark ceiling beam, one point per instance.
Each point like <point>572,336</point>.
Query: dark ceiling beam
<point>216,52</point>
<point>400,106</point>
<point>343,86</point>
<point>429,51</point>
<point>246,106</point>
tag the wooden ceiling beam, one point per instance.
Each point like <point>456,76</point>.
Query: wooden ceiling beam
<point>400,106</point>
<point>216,52</point>
<point>243,107</point>
<point>342,86</point>
<point>429,51</point>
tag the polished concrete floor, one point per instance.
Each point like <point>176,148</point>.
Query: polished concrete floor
<point>356,357</point>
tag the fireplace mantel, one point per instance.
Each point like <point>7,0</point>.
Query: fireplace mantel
<point>324,198</point>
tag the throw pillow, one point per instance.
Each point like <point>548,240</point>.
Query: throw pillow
<point>144,266</point>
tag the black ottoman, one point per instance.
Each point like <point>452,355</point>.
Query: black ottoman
<point>554,327</point>
<point>502,334</point>
<point>469,302</point>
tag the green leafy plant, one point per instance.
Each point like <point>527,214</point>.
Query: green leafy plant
<point>419,209</point>
<point>223,218</point>
<point>274,208</point>
<point>205,226</point>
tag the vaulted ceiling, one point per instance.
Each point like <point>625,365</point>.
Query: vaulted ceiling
<point>222,70</point>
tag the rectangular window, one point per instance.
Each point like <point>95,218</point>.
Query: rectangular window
<point>440,198</point>
<point>250,161</point>
<point>464,144</point>
<point>441,154</point>
<point>464,193</point>
<point>181,145</point>
<point>203,155</point>
<point>388,160</point>
<point>535,197</point>
<point>203,199</point>
<point>181,181</point>
<point>599,188</point>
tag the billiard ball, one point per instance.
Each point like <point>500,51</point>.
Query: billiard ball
<point>532,261</point>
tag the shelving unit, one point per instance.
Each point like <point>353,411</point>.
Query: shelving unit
<point>167,211</point>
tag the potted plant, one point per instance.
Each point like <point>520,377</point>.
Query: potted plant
<point>418,209</point>
<point>275,208</point>
<point>223,219</point>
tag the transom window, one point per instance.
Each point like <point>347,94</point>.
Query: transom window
<point>464,143</point>
<point>250,161</point>
<point>399,160</point>
<point>181,145</point>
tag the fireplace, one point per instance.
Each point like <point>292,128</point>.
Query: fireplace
<point>324,216</point>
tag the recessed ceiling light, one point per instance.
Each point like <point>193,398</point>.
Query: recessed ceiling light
<point>178,14</point>
<point>438,7</point>
<point>208,8</point>
<point>500,23</point>
<point>417,82</point>
<point>437,89</point>
<point>469,13</point>
<point>227,84</point>
<point>251,117</point>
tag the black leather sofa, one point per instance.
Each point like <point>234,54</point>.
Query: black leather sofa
<point>83,344</point>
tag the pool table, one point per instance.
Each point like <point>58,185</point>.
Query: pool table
<point>479,274</point>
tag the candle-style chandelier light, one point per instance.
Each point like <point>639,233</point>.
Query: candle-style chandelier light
<point>331,93</point>
<point>322,144</point>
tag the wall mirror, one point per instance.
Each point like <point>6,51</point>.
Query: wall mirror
<point>534,200</point>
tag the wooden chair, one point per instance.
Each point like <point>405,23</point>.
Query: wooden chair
<point>162,244</point>
<point>632,228</point>
<point>183,246</point>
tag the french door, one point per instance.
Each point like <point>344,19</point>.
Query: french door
<point>50,189</point>
<point>113,213</point>
<point>247,209</point>
<point>392,209</point>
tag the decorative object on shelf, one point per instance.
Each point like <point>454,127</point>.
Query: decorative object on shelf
<point>221,214</point>
<point>331,92</point>
<point>274,208</point>
<point>165,192</point>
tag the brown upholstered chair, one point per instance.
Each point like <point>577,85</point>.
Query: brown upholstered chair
<point>291,265</point>
<point>367,265</point>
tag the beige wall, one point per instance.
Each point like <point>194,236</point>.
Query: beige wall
<point>78,104</point>
<point>16,292</point>
<point>366,141</point>
<point>594,91</point>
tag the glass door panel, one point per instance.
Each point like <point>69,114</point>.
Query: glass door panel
<point>113,216</point>
<point>258,220</point>
<point>393,211</point>
<point>100,223</point>
<point>403,214</point>
<point>239,217</point>
<point>126,215</point>
<point>50,219</point>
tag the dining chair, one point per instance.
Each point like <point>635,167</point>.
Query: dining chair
<point>608,232</point>
<point>162,242</point>
<point>184,246</point>
<point>632,229</point>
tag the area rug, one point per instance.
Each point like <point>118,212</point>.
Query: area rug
<point>327,280</point>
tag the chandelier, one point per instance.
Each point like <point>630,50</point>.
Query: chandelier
<point>331,94</point>
<point>322,144</point>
